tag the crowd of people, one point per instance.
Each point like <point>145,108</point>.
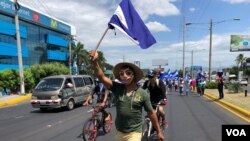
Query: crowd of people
<point>186,86</point>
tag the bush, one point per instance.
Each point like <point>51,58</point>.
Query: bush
<point>235,87</point>
<point>211,85</point>
<point>10,79</point>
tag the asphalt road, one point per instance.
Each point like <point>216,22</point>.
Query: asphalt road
<point>190,118</point>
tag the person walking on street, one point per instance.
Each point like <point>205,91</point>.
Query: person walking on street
<point>220,84</point>
<point>201,86</point>
<point>181,86</point>
<point>130,99</point>
<point>188,87</point>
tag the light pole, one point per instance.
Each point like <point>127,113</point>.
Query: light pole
<point>211,40</point>
<point>183,50</point>
<point>70,57</point>
<point>19,50</point>
<point>70,39</point>
<point>183,59</point>
<point>192,61</point>
<point>210,43</point>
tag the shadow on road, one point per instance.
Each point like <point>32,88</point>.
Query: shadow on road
<point>54,110</point>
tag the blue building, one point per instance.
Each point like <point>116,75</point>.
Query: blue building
<point>43,38</point>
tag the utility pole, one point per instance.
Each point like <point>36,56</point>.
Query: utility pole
<point>210,50</point>
<point>183,59</point>
<point>19,50</point>
<point>192,63</point>
<point>210,42</point>
<point>70,57</point>
<point>183,50</point>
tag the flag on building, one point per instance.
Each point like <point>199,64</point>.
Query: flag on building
<point>128,21</point>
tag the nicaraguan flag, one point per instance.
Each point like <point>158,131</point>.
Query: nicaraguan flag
<point>127,20</point>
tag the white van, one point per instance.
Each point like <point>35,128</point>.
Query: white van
<point>61,90</point>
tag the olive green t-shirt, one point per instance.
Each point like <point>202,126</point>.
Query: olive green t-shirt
<point>129,108</point>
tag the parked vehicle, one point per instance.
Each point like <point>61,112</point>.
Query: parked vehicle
<point>61,91</point>
<point>243,82</point>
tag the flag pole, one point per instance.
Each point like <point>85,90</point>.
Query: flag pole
<point>98,44</point>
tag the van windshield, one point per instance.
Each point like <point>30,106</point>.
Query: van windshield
<point>50,84</point>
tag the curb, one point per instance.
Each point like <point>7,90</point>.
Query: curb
<point>19,99</point>
<point>233,108</point>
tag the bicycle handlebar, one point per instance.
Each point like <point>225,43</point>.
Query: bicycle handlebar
<point>161,102</point>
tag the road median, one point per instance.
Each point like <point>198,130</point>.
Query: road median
<point>244,114</point>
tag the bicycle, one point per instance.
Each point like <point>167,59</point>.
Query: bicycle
<point>148,128</point>
<point>111,100</point>
<point>95,122</point>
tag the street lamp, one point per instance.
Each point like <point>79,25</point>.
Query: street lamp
<point>19,50</point>
<point>70,39</point>
<point>192,60</point>
<point>210,43</point>
<point>210,40</point>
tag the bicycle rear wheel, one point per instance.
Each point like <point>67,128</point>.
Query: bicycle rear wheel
<point>89,131</point>
<point>107,124</point>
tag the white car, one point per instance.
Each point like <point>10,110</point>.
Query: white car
<point>243,82</point>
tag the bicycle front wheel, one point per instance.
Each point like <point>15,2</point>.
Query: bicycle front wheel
<point>89,131</point>
<point>146,130</point>
<point>107,123</point>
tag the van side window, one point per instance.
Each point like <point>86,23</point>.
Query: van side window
<point>88,81</point>
<point>68,82</point>
<point>78,82</point>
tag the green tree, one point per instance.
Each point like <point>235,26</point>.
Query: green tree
<point>40,71</point>
<point>180,73</point>
<point>83,62</point>
<point>240,59</point>
<point>10,79</point>
<point>233,70</point>
<point>81,56</point>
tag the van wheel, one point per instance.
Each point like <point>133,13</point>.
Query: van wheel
<point>43,109</point>
<point>70,104</point>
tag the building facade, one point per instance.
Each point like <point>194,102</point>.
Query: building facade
<point>43,38</point>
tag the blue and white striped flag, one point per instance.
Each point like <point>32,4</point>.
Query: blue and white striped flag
<point>127,20</point>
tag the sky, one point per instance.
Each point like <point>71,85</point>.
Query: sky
<point>165,20</point>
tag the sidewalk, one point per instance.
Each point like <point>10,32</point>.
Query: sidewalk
<point>13,99</point>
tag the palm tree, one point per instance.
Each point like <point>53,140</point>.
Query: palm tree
<point>240,59</point>
<point>82,59</point>
<point>81,56</point>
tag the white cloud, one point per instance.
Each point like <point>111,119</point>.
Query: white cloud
<point>237,1</point>
<point>157,27</point>
<point>90,17</point>
<point>192,9</point>
<point>155,7</point>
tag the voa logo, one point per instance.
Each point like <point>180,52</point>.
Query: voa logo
<point>236,132</point>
